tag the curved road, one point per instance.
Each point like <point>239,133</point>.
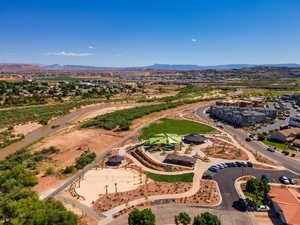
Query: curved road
<point>240,136</point>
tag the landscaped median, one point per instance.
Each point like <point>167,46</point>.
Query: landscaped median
<point>279,145</point>
<point>187,177</point>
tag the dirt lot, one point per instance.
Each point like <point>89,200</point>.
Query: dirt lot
<point>207,195</point>
<point>26,128</point>
<point>72,143</point>
<point>224,150</point>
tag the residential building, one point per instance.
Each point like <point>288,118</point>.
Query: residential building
<point>294,121</point>
<point>286,202</point>
<point>242,116</point>
<point>286,135</point>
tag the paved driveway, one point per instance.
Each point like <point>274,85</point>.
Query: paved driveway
<point>165,215</point>
<point>227,176</point>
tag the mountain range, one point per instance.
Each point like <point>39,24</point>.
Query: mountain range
<point>14,67</point>
<point>166,67</point>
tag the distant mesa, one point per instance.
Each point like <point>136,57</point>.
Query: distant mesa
<point>175,67</point>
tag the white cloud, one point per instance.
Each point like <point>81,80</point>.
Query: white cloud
<point>194,40</point>
<point>63,53</point>
<point>91,47</point>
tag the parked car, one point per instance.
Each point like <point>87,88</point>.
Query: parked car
<point>213,169</point>
<point>270,149</point>
<point>241,204</point>
<point>244,164</point>
<point>265,177</point>
<point>262,208</point>
<point>229,164</point>
<point>249,164</point>
<point>248,139</point>
<point>238,164</point>
<point>224,165</point>
<point>207,177</point>
<point>220,166</point>
<point>284,180</point>
<point>234,164</point>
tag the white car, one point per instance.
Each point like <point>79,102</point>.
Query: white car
<point>262,208</point>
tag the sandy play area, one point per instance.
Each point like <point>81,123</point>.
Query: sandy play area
<point>95,181</point>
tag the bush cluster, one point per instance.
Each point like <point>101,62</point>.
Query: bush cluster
<point>18,203</point>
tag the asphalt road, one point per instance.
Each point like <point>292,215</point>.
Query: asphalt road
<point>241,135</point>
<point>227,176</point>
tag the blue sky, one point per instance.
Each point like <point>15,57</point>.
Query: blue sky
<point>139,32</point>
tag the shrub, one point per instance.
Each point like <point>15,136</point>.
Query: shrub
<point>144,217</point>
<point>49,171</point>
<point>206,219</point>
<point>183,218</point>
<point>68,169</point>
<point>84,160</point>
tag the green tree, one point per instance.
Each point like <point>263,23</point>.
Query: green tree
<point>257,187</point>
<point>183,218</point>
<point>206,219</point>
<point>144,217</point>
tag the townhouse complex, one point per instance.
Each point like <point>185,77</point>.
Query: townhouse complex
<point>242,113</point>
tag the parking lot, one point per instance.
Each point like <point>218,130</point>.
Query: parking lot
<point>227,176</point>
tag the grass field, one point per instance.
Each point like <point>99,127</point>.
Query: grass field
<point>278,145</point>
<point>179,127</point>
<point>188,177</point>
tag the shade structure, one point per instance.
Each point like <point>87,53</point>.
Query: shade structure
<point>194,138</point>
<point>164,138</point>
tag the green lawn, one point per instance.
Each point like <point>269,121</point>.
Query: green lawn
<point>179,127</point>
<point>279,145</point>
<point>188,177</point>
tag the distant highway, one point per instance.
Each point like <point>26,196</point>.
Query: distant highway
<point>241,135</point>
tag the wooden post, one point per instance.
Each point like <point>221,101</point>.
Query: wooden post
<point>106,191</point>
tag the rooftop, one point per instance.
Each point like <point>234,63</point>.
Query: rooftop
<point>288,200</point>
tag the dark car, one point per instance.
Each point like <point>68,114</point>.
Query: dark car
<point>238,164</point>
<point>228,164</point>
<point>234,164</point>
<point>207,177</point>
<point>270,149</point>
<point>241,204</point>
<point>249,164</point>
<point>213,169</point>
<point>248,139</point>
<point>284,180</point>
<point>265,178</point>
